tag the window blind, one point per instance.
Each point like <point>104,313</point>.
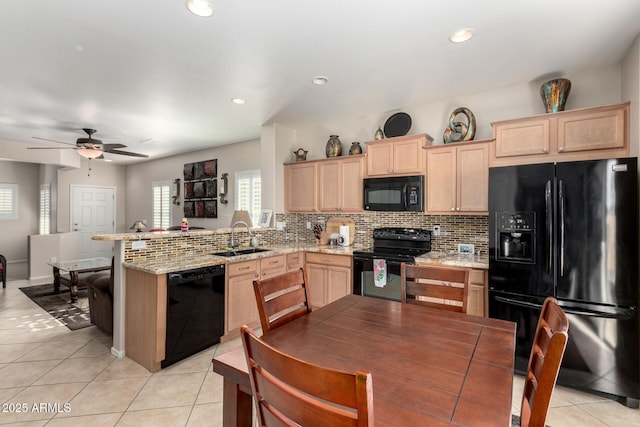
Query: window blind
<point>162,204</point>
<point>8,201</point>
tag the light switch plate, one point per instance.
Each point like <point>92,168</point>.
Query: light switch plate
<point>280,225</point>
<point>466,248</point>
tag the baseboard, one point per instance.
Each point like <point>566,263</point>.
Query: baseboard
<point>41,277</point>
<point>117,353</point>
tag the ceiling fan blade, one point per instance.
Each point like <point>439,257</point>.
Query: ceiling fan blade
<point>52,148</point>
<point>108,147</point>
<point>52,140</point>
<point>126,153</point>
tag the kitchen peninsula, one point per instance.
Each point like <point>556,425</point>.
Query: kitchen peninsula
<point>143,260</point>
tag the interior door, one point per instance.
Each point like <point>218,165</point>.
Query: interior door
<point>93,212</point>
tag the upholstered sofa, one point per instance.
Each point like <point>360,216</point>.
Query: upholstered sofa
<point>100,294</point>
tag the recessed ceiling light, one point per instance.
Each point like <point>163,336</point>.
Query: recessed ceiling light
<point>200,7</point>
<point>320,80</point>
<point>239,101</point>
<point>461,36</point>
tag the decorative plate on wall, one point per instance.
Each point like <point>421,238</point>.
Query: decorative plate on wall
<point>397,125</point>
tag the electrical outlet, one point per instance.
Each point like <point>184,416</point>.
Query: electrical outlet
<point>466,249</point>
<point>308,225</point>
<point>436,230</point>
<point>54,259</point>
<point>280,225</point>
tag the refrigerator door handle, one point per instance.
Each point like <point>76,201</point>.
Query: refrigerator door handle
<point>548,200</point>
<point>620,313</point>
<point>518,302</point>
<point>561,214</point>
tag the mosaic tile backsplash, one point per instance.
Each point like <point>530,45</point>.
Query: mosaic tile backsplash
<point>454,230</point>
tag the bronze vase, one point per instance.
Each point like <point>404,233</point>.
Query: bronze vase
<point>554,94</point>
<point>355,148</point>
<point>334,146</point>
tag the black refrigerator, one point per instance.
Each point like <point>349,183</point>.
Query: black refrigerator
<point>570,230</point>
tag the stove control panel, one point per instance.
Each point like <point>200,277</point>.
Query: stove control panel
<point>393,233</point>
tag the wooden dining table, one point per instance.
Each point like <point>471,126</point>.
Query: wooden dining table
<point>429,367</point>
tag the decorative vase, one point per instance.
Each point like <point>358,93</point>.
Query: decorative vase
<point>334,146</point>
<point>355,148</point>
<point>379,135</point>
<point>554,94</point>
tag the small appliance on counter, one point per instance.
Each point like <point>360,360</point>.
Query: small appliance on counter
<point>341,227</point>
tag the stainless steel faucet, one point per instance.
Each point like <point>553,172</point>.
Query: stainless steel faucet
<point>233,242</point>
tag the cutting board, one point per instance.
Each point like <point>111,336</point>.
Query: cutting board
<point>334,223</point>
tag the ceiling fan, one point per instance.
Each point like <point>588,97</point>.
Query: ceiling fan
<point>90,148</point>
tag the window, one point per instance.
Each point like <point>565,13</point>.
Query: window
<point>248,186</point>
<point>162,204</point>
<point>45,209</point>
<point>8,201</point>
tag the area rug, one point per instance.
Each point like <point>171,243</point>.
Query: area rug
<point>73,316</point>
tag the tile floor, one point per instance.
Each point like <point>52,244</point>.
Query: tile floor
<point>43,363</point>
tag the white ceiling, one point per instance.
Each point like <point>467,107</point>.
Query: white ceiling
<point>140,69</point>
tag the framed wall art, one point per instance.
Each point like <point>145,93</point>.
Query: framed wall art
<point>200,189</point>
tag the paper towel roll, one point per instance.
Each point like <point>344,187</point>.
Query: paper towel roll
<point>344,232</point>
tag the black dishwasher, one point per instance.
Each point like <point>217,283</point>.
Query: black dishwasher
<point>195,311</point>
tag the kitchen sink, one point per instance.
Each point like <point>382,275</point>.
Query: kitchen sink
<point>231,253</point>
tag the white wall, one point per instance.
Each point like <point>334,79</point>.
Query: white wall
<point>231,159</point>
<point>14,232</point>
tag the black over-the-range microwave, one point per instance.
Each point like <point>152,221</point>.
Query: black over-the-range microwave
<point>396,194</point>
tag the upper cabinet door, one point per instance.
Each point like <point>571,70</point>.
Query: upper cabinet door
<point>379,159</point>
<point>402,155</point>
<point>441,180</point>
<point>458,179</point>
<point>301,183</point>
<point>522,137</point>
<point>408,156</point>
<point>473,178</point>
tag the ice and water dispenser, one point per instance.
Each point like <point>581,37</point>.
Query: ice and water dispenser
<point>516,236</point>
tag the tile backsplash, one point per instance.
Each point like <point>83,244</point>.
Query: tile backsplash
<point>453,229</point>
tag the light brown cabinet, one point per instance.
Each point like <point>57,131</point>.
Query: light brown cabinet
<point>145,318</point>
<point>458,178</point>
<point>329,277</point>
<point>240,307</point>
<point>300,187</point>
<point>477,303</point>
<point>402,155</point>
<point>584,134</point>
<point>340,184</point>
<point>295,261</point>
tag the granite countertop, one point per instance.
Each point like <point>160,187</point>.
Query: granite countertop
<point>189,261</point>
<point>458,260</point>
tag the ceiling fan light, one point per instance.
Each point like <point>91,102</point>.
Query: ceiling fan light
<point>200,8</point>
<point>89,153</point>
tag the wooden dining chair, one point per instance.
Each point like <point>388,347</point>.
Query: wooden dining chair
<point>435,286</point>
<point>289,391</point>
<point>282,298</point>
<point>549,343</point>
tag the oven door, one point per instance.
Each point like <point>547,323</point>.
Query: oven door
<point>387,285</point>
